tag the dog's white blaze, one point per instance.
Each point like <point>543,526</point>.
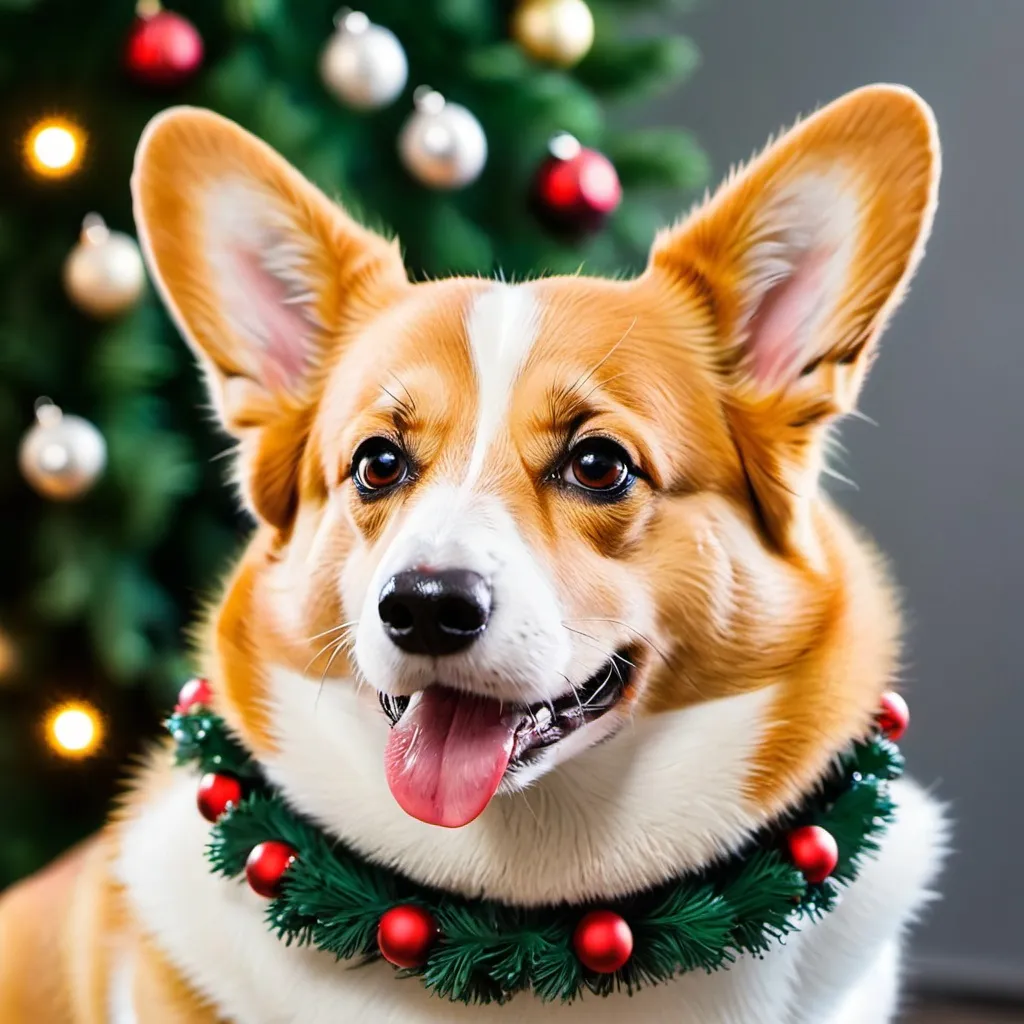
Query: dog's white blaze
<point>457,524</point>
<point>501,325</point>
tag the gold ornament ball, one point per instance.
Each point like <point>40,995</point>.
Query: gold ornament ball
<point>556,31</point>
<point>61,456</point>
<point>104,274</point>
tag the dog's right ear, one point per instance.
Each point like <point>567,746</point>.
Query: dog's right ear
<point>259,269</point>
<point>262,273</point>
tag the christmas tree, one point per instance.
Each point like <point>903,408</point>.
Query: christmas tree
<point>484,134</point>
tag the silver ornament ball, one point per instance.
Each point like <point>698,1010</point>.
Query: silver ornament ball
<point>61,456</point>
<point>104,274</point>
<point>442,144</point>
<point>363,64</point>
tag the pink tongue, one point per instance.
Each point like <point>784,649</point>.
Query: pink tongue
<point>446,756</point>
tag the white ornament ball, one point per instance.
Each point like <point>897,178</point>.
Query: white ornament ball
<point>61,456</point>
<point>442,144</point>
<point>364,64</point>
<point>104,274</point>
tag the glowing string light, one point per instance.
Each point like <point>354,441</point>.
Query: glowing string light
<point>54,148</point>
<point>74,730</point>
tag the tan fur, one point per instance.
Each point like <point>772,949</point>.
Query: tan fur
<point>699,569</point>
<point>43,942</point>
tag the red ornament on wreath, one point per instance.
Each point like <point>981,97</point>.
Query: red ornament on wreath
<point>814,852</point>
<point>266,865</point>
<point>405,935</point>
<point>217,794</point>
<point>893,716</point>
<point>603,941</point>
<point>194,694</point>
<point>163,50</point>
<point>576,189</point>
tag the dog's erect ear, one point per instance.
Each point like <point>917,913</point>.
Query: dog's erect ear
<point>263,274</point>
<point>258,267</point>
<point>798,261</point>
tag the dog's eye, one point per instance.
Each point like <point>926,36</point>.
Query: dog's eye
<point>600,466</point>
<point>378,464</point>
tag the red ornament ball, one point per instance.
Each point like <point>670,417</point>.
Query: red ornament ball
<point>216,794</point>
<point>575,189</point>
<point>814,852</point>
<point>405,935</point>
<point>603,941</point>
<point>164,50</point>
<point>196,693</point>
<point>266,866</point>
<point>893,715</point>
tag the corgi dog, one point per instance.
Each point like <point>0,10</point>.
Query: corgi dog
<point>590,505</point>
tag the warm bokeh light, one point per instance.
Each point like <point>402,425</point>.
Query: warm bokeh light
<point>54,148</point>
<point>74,730</point>
<point>8,655</point>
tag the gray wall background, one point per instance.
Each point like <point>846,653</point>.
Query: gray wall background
<point>941,479</point>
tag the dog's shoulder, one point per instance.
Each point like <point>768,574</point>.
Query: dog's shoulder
<point>891,890</point>
<point>48,939</point>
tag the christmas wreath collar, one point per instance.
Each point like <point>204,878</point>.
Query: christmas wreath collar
<point>323,894</point>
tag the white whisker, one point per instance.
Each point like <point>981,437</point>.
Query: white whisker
<point>583,380</point>
<point>607,680</point>
<point>625,625</point>
<point>338,644</point>
<point>594,642</point>
<point>333,629</point>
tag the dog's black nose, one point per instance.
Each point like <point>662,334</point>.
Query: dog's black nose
<point>435,613</point>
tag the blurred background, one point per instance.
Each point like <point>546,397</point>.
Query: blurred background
<point>560,134</point>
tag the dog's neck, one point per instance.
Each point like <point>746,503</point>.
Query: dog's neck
<point>663,796</point>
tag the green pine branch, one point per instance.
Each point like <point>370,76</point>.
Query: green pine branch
<point>632,69</point>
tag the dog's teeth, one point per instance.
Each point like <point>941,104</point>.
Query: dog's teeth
<point>414,700</point>
<point>542,715</point>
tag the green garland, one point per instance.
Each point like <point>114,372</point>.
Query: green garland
<point>333,899</point>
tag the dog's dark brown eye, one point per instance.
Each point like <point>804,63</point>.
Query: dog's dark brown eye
<point>378,465</point>
<point>600,466</point>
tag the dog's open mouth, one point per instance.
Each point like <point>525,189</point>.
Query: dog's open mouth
<point>448,751</point>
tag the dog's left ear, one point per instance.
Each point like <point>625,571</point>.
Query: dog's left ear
<point>797,262</point>
<point>264,276</point>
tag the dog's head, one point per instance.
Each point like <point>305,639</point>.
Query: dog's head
<point>527,514</point>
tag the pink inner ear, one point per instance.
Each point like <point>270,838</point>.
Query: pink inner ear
<point>270,321</point>
<point>780,339</point>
